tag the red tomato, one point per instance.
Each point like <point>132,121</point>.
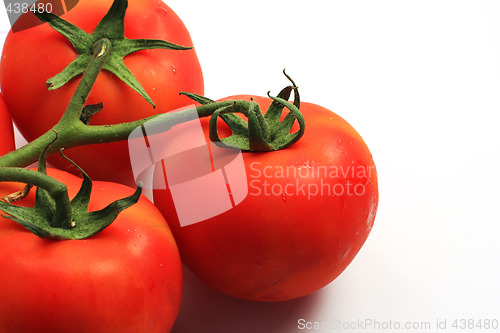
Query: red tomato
<point>7,143</point>
<point>32,56</point>
<point>308,211</point>
<point>128,278</point>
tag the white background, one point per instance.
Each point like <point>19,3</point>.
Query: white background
<point>420,81</point>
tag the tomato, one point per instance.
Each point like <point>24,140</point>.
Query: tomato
<point>308,211</point>
<point>127,278</point>
<point>32,56</point>
<point>7,143</point>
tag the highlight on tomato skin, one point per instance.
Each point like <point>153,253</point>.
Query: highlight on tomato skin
<point>307,212</point>
<point>128,278</point>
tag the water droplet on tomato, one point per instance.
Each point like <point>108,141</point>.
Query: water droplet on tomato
<point>161,11</point>
<point>283,197</point>
<point>174,70</point>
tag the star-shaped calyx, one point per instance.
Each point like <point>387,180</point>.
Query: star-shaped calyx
<point>111,27</point>
<point>54,215</point>
<point>262,132</point>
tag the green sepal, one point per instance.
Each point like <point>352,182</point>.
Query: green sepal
<point>111,27</point>
<point>198,98</point>
<point>30,219</point>
<point>258,130</point>
<point>87,224</point>
<point>239,138</point>
<point>262,132</point>
<point>48,218</point>
<point>283,138</point>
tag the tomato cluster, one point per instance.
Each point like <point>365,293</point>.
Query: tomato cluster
<point>305,213</point>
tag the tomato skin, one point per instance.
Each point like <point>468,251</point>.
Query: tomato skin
<point>32,56</point>
<point>285,243</point>
<point>7,143</point>
<point>128,278</point>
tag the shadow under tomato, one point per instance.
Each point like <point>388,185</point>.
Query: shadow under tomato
<point>206,310</point>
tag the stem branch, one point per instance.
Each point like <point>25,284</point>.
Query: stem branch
<point>70,123</point>
<point>54,188</point>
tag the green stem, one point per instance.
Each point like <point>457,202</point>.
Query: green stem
<point>101,51</point>
<point>54,188</point>
<point>72,132</point>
